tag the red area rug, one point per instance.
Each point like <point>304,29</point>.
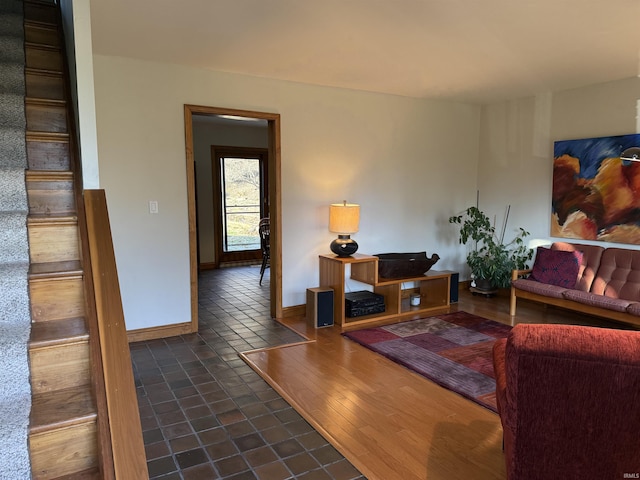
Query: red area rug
<point>453,350</point>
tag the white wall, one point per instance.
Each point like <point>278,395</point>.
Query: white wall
<point>516,154</point>
<point>204,136</point>
<point>76,18</point>
<point>409,163</point>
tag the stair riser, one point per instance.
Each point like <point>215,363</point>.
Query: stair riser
<point>50,197</point>
<point>46,118</point>
<point>40,13</point>
<point>48,155</point>
<point>50,87</point>
<point>59,367</point>
<point>54,242</point>
<point>44,36</point>
<point>55,299</point>
<point>62,452</point>
<point>44,59</point>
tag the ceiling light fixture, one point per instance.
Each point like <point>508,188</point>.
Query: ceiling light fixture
<point>239,118</point>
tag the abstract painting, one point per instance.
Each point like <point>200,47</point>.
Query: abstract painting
<point>596,194</point>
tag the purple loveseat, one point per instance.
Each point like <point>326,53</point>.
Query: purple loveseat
<point>586,278</point>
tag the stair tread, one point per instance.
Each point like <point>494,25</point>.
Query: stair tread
<point>42,72</point>
<point>35,218</point>
<point>31,101</point>
<point>40,24</point>
<point>41,3</point>
<point>61,408</point>
<point>55,269</point>
<point>58,332</point>
<point>42,46</point>
<point>35,136</point>
<point>92,474</point>
<point>35,23</point>
<point>49,175</point>
<point>29,22</point>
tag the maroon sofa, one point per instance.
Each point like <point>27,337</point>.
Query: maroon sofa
<point>605,282</point>
<point>569,402</point>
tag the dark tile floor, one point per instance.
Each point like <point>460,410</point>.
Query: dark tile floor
<point>206,415</point>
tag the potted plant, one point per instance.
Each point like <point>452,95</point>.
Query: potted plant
<point>491,261</point>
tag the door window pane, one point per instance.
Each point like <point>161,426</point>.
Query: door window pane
<point>241,195</point>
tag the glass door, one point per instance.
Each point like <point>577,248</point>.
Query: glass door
<point>241,202</point>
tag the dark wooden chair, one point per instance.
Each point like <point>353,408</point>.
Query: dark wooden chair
<point>264,232</point>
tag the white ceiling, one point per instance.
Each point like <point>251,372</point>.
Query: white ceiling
<point>469,50</point>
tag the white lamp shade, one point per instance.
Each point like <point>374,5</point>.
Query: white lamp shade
<point>344,218</point>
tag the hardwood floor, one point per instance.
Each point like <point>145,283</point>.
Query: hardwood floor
<point>389,422</point>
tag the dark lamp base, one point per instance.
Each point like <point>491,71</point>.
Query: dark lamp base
<point>344,246</point>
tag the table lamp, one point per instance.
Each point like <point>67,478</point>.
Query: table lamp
<point>344,219</point>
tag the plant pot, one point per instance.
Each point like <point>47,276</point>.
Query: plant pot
<point>484,285</point>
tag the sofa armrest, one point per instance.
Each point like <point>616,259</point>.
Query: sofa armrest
<point>576,343</point>
<point>568,391</point>
<point>515,274</point>
<point>500,372</point>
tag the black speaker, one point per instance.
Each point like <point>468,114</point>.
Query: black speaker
<point>455,284</point>
<point>453,288</point>
<point>320,306</point>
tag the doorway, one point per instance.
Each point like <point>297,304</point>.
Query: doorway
<point>272,173</point>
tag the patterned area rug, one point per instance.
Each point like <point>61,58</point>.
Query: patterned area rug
<point>453,350</point>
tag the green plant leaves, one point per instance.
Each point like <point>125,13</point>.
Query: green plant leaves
<point>491,259</point>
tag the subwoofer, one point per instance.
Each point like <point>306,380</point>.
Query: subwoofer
<point>320,306</point>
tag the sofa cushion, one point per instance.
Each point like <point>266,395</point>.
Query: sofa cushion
<point>594,300</point>
<point>534,286</point>
<point>591,256</point>
<point>557,267</point>
<point>619,274</point>
<point>634,309</point>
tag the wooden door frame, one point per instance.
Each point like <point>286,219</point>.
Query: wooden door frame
<point>274,171</point>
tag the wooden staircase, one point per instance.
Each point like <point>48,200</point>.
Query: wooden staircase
<point>63,433</point>
<point>70,429</point>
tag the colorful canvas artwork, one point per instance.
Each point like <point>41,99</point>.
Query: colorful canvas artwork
<point>596,194</point>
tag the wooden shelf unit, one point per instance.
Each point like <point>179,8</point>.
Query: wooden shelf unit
<point>434,290</point>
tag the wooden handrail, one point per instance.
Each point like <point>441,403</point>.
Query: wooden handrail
<point>105,451</point>
<point>129,459</point>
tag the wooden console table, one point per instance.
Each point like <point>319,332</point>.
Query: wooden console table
<point>434,288</point>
